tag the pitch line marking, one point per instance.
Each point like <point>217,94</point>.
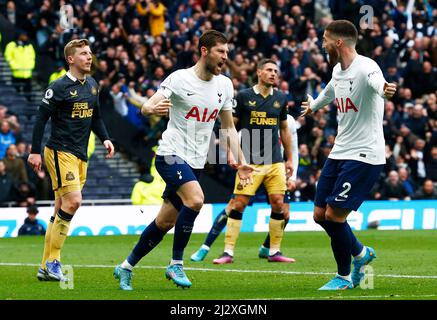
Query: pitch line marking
<point>12,264</point>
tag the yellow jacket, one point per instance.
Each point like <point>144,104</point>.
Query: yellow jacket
<point>21,59</point>
<point>149,193</point>
<point>57,74</point>
<point>156,17</point>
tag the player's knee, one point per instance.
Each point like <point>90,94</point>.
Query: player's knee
<point>195,202</point>
<point>319,214</point>
<point>72,205</point>
<point>336,216</point>
<point>239,206</point>
<point>165,224</point>
<point>278,206</point>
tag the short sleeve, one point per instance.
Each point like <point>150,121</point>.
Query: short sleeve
<point>169,85</point>
<point>375,78</point>
<point>238,106</point>
<point>229,102</point>
<point>52,96</point>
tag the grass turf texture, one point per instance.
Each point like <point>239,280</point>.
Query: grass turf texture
<point>399,254</point>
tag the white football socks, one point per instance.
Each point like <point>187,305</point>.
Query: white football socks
<point>361,254</point>
<point>230,252</point>
<point>126,265</point>
<point>173,262</point>
<point>348,277</point>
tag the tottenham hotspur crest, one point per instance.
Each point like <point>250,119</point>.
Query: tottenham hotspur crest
<point>220,97</point>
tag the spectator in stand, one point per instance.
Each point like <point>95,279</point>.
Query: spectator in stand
<point>417,158</point>
<point>20,55</point>
<point>59,72</point>
<point>418,122</point>
<point>15,165</point>
<point>6,185</point>
<point>408,184</point>
<point>393,188</point>
<point>156,11</point>
<point>390,162</point>
<point>148,190</point>
<point>391,122</point>
<point>431,165</point>
<point>427,192</point>
<point>6,137</point>
<point>119,98</point>
<point>31,226</point>
<point>25,194</point>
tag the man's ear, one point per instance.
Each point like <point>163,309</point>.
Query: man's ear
<point>203,50</point>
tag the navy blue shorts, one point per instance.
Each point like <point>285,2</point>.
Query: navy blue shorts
<point>345,183</point>
<point>175,172</point>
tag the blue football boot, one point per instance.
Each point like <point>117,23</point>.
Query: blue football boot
<point>175,272</point>
<point>338,283</point>
<point>199,255</point>
<point>358,271</point>
<point>125,277</point>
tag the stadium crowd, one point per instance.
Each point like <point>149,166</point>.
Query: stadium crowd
<point>138,43</point>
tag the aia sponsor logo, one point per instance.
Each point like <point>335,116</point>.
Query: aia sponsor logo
<point>202,117</point>
<point>344,106</point>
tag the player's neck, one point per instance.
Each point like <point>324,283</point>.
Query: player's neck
<point>263,89</point>
<point>201,72</point>
<point>347,58</point>
<point>77,74</point>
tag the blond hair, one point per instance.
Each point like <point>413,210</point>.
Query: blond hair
<point>71,46</point>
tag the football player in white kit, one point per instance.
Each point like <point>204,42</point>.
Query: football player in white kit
<point>358,156</point>
<point>193,98</point>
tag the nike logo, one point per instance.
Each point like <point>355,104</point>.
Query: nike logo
<point>337,199</point>
<point>190,94</point>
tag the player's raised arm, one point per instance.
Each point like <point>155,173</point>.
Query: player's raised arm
<point>158,104</point>
<point>376,81</point>
<point>325,97</point>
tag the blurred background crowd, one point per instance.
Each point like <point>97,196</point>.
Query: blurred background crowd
<point>138,43</point>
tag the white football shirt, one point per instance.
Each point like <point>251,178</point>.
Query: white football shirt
<point>196,106</point>
<point>358,93</point>
<point>294,145</point>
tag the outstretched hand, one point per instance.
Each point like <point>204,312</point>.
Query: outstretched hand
<point>306,106</point>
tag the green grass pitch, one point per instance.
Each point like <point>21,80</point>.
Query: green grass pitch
<point>405,268</point>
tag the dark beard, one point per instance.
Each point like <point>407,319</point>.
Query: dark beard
<point>210,67</point>
<point>332,58</point>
